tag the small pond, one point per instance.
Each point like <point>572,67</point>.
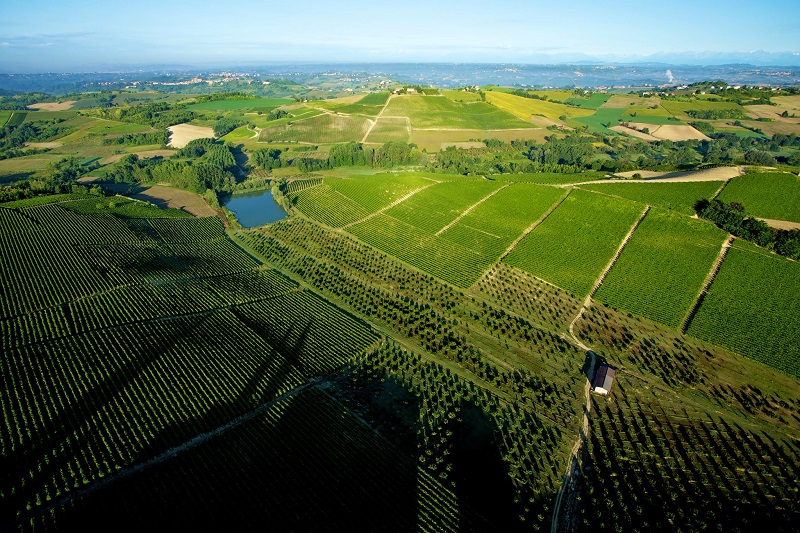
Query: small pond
<point>254,208</point>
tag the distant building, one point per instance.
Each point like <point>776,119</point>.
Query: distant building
<point>603,379</point>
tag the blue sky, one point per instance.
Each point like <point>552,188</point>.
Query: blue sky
<point>60,36</point>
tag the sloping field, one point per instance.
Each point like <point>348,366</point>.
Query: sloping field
<point>439,257</point>
<point>752,308</point>
<point>492,226</point>
<point>575,243</point>
<point>435,140</point>
<point>774,195</point>
<point>165,197</point>
<point>52,106</point>
<point>662,268</point>
<point>435,207</point>
<point>390,130</point>
<point>525,107</point>
<point>593,101</point>
<point>325,128</point>
<point>672,132</point>
<point>182,134</point>
<point>328,206</point>
<point>440,112</point>
<point>679,197</point>
<point>241,104</point>
<point>374,192</point>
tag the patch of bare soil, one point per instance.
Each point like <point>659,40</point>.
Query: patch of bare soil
<point>52,106</point>
<point>182,134</point>
<point>165,197</point>
<point>52,144</point>
<point>781,224</point>
<point>634,133</point>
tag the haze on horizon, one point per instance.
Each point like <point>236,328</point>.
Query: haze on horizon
<point>85,35</point>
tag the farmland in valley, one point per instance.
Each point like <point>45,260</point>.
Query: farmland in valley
<point>412,346</point>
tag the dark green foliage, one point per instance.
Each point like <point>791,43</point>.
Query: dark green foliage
<point>137,139</point>
<point>225,125</point>
<point>733,218</point>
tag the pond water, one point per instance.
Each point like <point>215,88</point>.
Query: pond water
<point>254,208</point>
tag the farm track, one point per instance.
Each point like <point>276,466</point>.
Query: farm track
<point>583,433</point>
<point>391,205</point>
<point>468,210</point>
<point>712,274</point>
<point>373,122</point>
<point>533,227</point>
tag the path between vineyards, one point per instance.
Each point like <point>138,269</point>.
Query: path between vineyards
<point>583,433</point>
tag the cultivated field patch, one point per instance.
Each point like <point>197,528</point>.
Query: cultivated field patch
<point>181,134</point>
<point>752,308</point>
<point>662,268</point>
<point>52,106</point>
<point>575,243</point>
<point>774,195</point>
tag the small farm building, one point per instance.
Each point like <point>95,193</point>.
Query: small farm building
<point>603,379</point>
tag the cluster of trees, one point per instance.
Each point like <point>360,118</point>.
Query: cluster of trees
<point>156,114</point>
<point>733,218</point>
<point>343,154</point>
<point>13,138</point>
<point>213,167</point>
<point>716,114</point>
<point>225,125</point>
<point>138,139</point>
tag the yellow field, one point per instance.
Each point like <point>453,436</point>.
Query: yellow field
<point>525,107</point>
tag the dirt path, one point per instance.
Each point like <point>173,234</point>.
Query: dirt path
<point>583,433</point>
<point>391,205</point>
<point>532,227</point>
<point>781,224</point>
<point>373,122</point>
<point>712,273</point>
<point>468,210</point>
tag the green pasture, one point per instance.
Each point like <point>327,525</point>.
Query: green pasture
<point>593,101</point>
<point>239,105</point>
<point>440,112</point>
<point>323,128</point>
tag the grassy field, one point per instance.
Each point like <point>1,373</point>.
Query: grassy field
<point>440,112</point>
<point>324,128</point>
<point>753,309</point>
<point>662,268</point>
<point>435,140</point>
<point>573,245</point>
<point>774,195</point>
<point>525,107</point>
<point>4,116</point>
<point>461,96</point>
<point>679,197</point>
<point>602,119</point>
<point>593,101</point>
<point>239,104</point>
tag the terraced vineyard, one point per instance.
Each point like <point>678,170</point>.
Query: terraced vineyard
<point>661,270</point>
<point>573,245</point>
<point>753,309</point>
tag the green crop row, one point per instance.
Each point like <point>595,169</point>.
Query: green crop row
<point>661,270</point>
<point>575,243</point>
